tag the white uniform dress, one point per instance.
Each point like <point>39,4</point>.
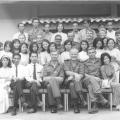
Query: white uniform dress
<point>5,77</point>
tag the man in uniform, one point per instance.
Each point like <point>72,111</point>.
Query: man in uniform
<point>92,80</point>
<point>74,71</point>
<point>36,32</point>
<point>53,76</point>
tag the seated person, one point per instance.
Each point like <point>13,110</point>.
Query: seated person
<point>53,76</point>
<point>74,71</point>
<point>92,80</point>
<point>33,77</point>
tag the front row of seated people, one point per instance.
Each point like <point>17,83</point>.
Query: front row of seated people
<point>73,73</point>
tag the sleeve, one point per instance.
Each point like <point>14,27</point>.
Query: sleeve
<point>104,76</point>
<point>61,73</point>
<point>66,66</point>
<point>45,71</point>
<point>86,68</point>
<point>81,68</point>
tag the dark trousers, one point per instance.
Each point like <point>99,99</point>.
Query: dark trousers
<point>17,88</point>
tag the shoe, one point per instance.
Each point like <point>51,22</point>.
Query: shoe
<point>53,110</point>
<point>14,112</point>
<point>32,110</point>
<point>94,109</point>
<point>76,110</point>
<point>59,106</point>
<point>118,108</point>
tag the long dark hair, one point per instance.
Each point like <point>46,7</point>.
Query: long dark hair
<point>103,56</point>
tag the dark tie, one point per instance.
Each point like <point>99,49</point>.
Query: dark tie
<point>34,72</point>
<point>16,70</point>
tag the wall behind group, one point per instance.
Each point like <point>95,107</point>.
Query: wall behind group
<point>13,13</point>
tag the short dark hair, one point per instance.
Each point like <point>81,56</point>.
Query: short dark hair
<point>103,56</point>
<point>66,42</point>
<point>31,46</point>
<point>96,40</point>
<point>44,40</point>
<point>20,24</point>
<point>16,54</point>
<point>52,43</point>
<point>109,40</point>
<point>33,53</point>
<point>84,42</point>
<point>35,19</point>
<point>86,20</point>
<point>59,24</point>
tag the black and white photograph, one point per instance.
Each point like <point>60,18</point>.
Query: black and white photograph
<point>59,59</point>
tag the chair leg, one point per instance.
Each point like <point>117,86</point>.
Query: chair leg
<point>67,102</point>
<point>43,100</point>
<point>89,102</point>
<point>111,101</point>
<point>65,106</point>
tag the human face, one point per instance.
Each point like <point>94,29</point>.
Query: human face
<point>99,45</point>
<point>102,34</point>
<point>91,53</point>
<point>35,23</point>
<point>16,59</point>
<point>111,44</point>
<point>58,40</point>
<point>106,60</point>
<point>74,54</point>
<point>21,27</point>
<point>60,28</point>
<point>109,26</point>
<point>75,27</point>
<point>54,56</point>
<point>16,44</point>
<point>89,34</point>
<point>7,48</point>
<point>22,38</point>
<point>35,48</point>
<point>45,45</point>
<point>118,38</point>
<point>34,58</point>
<point>84,46</point>
<point>47,28</point>
<point>24,49</point>
<point>68,46</point>
<point>52,48</point>
<point>86,24</point>
<point>5,62</point>
<point>71,36</point>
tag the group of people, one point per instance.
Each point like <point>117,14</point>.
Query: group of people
<point>81,59</point>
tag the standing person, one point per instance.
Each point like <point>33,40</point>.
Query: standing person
<point>82,55</point>
<point>33,77</point>
<point>83,32</point>
<point>98,45</point>
<point>110,31</point>
<point>5,80</point>
<point>108,73</point>
<point>60,32</point>
<point>44,56</point>
<point>47,33</point>
<point>66,54</point>
<point>18,82</point>
<point>24,54</point>
<point>74,71</point>
<point>53,75</point>
<point>92,80</point>
<point>36,31</point>
<point>7,50</point>
<point>16,46</point>
<point>21,34</point>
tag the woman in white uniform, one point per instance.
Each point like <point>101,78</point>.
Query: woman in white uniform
<point>5,80</point>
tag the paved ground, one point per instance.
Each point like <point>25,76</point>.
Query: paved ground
<point>102,115</point>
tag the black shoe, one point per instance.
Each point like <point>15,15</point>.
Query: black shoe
<point>32,110</point>
<point>53,110</point>
<point>76,110</point>
<point>94,109</point>
<point>14,112</point>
